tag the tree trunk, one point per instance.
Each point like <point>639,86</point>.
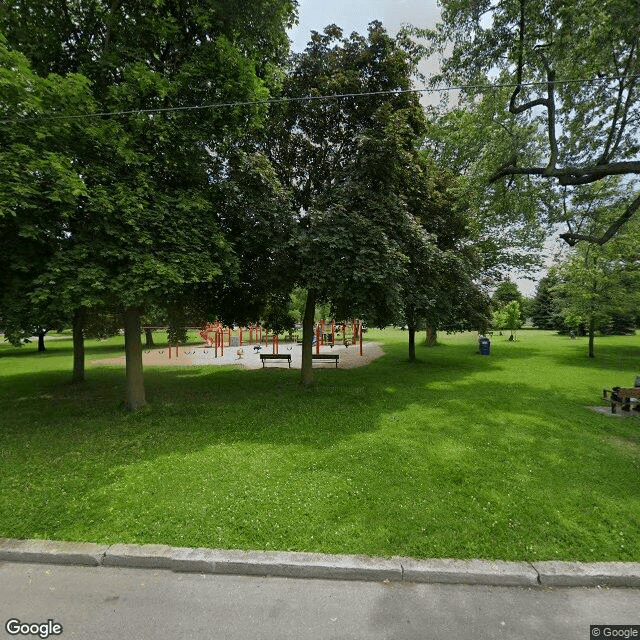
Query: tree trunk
<point>432,337</point>
<point>148,338</point>
<point>134,394</point>
<point>41,335</point>
<point>412,343</point>
<point>307,338</point>
<point>592,335</point>
<point>78,347</point>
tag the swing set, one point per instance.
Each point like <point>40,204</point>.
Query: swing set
<point>324,336</point>
<point>215,335</point>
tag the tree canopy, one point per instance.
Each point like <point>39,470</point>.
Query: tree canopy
<point>568,73</point>
<point>598,283</point>
<point>375,229</point>
<point>39,187</point>
<point>142,224</point>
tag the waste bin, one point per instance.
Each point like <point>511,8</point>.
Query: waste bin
<point>485,346</point>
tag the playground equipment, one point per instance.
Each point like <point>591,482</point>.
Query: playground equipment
<point>231,335</point>
<point>215,335</point>
<point>323,336</point>
<point>208,329</point>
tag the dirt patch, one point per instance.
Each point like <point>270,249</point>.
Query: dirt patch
<point>624,445</point>
<point>606,411</point>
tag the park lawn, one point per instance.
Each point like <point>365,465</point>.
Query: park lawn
<point>457,455</point>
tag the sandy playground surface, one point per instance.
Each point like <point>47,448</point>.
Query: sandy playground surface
<point>199,355</point>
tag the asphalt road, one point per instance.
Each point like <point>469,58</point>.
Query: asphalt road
<point>97,603</point>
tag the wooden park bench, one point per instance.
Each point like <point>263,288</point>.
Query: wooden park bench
<point>623,396</point>
<point>275,356</point>
<point>326,356</point>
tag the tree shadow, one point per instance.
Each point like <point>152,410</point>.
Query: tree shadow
<point>386,438</point>
<point>607,356</point>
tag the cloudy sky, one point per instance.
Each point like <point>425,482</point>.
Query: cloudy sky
<point>354,15</point>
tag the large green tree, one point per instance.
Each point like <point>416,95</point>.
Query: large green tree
<point>507,220</point>
<point>39,187</point>
<point>545,308</point>
<point>349,154</point>
<point>598,283</point>
<point>569,104</point>
<point>440,285</point>
<point>506,292</point>
<point>146,227</point>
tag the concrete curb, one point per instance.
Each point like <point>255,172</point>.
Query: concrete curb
<point>324,566</point>
<point>580,574</point>
<point>492,572</point>
<point>52,552</point>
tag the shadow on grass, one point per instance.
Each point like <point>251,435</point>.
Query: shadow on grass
<point>608,355</point>
<point>325,466</point>
<point>59,348</point>
<point>234,458</point>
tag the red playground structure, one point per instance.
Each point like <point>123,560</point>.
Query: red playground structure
<point>207,330</point>
<point>215,335</point>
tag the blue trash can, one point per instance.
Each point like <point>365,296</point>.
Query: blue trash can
<point>485,346</point>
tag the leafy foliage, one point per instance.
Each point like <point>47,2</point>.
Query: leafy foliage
<point>141,225</point>
<point>378,235</point>
<point>560,125</point>
<point>545,310</point>
<point>39,185</point>
<point>507,291</point>
<point>600,283</point>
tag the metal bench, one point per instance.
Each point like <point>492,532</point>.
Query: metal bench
<point>275,356</point>
<point>326,356</point>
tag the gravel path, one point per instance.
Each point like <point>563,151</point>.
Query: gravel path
<point>248,358</point>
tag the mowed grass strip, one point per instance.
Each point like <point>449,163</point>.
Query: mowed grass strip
<point>457,455</point>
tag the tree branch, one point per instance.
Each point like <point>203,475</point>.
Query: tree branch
<point>512,103</point>
<point>572,238</point>
<point>608,150</point>
<point>570,175</point>
<point>512,170</point>
<point>551,115</point>
<point>115,6</point>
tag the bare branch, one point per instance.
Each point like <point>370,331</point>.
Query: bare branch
<point>608,150</point>
<point>570,175</point>
<point>512,103</point>
<point>572,238</point>
<point>551,115</point>
<point>516,91</point>
<point>512,170</point>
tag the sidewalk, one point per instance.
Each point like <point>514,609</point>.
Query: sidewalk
<point>113,603</point>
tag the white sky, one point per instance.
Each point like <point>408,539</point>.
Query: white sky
<point>355,15</point>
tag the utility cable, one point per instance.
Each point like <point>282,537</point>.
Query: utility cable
<point>335,96</point>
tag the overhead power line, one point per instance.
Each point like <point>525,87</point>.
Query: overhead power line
<point>333,96</point>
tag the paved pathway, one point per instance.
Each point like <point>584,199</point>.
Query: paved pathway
<point>100,603</point>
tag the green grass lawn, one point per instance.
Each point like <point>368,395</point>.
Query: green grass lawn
<point>457,455</point>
